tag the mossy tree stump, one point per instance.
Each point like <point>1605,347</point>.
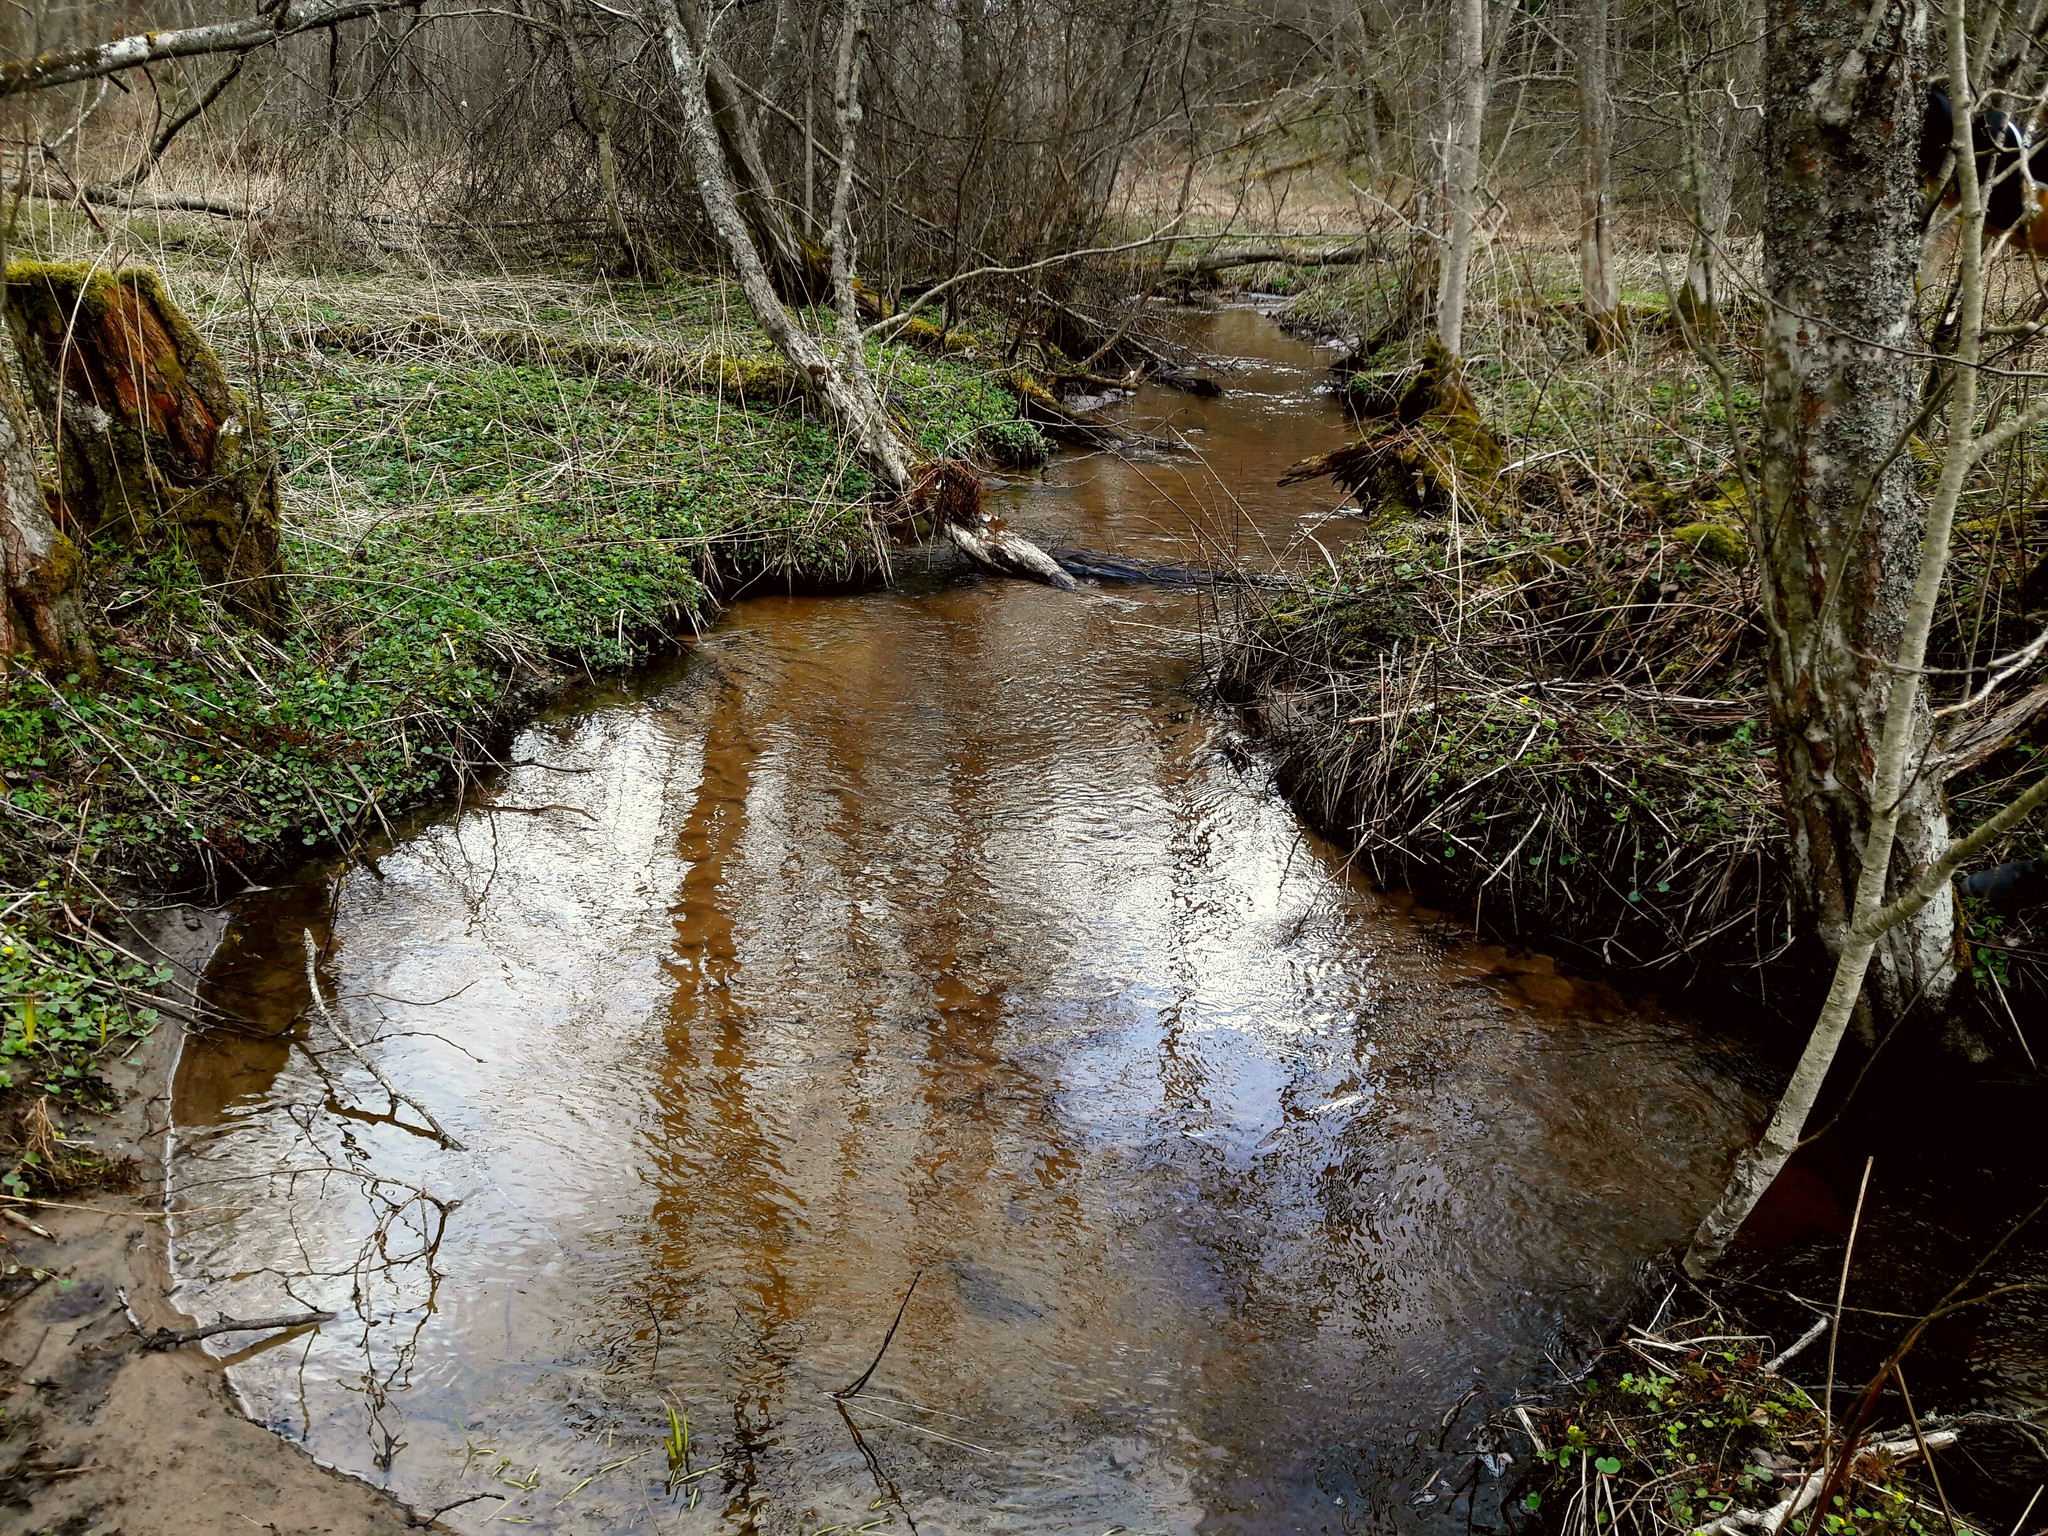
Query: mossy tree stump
<point>39,567</point>
<point>154,449</point>
<point>1425,446</point>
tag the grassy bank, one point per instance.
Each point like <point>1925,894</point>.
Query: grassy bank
<point>469,525</point>
<point>1532,683</point>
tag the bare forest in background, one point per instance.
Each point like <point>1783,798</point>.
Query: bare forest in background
<point>993,133</point>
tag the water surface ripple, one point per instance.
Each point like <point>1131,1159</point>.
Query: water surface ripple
<point>928,933</point>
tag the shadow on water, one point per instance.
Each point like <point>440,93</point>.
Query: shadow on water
<point>930,933</point>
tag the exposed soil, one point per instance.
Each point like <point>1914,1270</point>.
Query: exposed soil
<point>99,1434</point>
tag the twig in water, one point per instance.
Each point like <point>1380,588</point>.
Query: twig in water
<point>1920,1439</point>
<point>1778,1365</point>
<point>63,1205</point>
<point>428,1517</point>
<point>882,1479</point>
<point>862,1380</point>
<point>165,1338</point>
<point>320,1003</point>
<point>2020,1523</point>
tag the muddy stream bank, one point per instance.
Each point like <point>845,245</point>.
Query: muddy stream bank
<point>927,933</point>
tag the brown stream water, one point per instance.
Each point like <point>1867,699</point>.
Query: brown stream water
<point>936,933</point>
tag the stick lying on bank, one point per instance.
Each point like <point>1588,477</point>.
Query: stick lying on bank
<point>165,1338</point>
<point>16,1219</point>
<point>1775,1518</point>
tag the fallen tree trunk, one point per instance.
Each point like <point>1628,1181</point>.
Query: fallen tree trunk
<point>952,496</point>
<point>66,65</point>
<point>126,197</point>
<point>1972,745</point>
<point>748,377</point>
<point>153,448</point>
<point>1100,565</point>
<point>1211,262</point>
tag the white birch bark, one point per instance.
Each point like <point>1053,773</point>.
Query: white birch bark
<point>842,387</point>
<point>1837,524</point>
<point>747,174</point>
<point>1599,293</point>
<point>856,410</point>
<point>1461,168</point>
<point>66,65</point>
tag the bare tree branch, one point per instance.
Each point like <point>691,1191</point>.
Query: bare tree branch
<point>67,65</point>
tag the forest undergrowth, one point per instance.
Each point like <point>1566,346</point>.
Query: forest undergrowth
<point>1696,1424</point>
<point>1532,685</point>
<point>494,484</point>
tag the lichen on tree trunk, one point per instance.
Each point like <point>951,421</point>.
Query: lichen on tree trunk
<point>1841,384</point>
<point>153,448</point>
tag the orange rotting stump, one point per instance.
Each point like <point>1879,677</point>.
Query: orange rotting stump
<point>154,448</point>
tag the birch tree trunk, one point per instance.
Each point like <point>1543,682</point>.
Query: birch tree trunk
<point>857,411</point>
<point>1710,187</point>
<point>842,388</point>
<point>839,224</point>
<point>1712,133</point>
<point>1355,39</point>
<point>1897,882</point>
<point>754,195</point>
<point>1598,291</point>
<point>1839,548</point>
<point>1461,168</point>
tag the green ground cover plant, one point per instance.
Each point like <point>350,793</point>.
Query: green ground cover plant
<point>463,535</point>
<point>1678,1428</point>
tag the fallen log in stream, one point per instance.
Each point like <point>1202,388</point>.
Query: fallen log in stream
<point>951,493</point>
<point>1096,565</point>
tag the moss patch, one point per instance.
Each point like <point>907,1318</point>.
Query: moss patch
<point>1425,446</point>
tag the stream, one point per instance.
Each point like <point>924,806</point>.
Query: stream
<point>933,934</point>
